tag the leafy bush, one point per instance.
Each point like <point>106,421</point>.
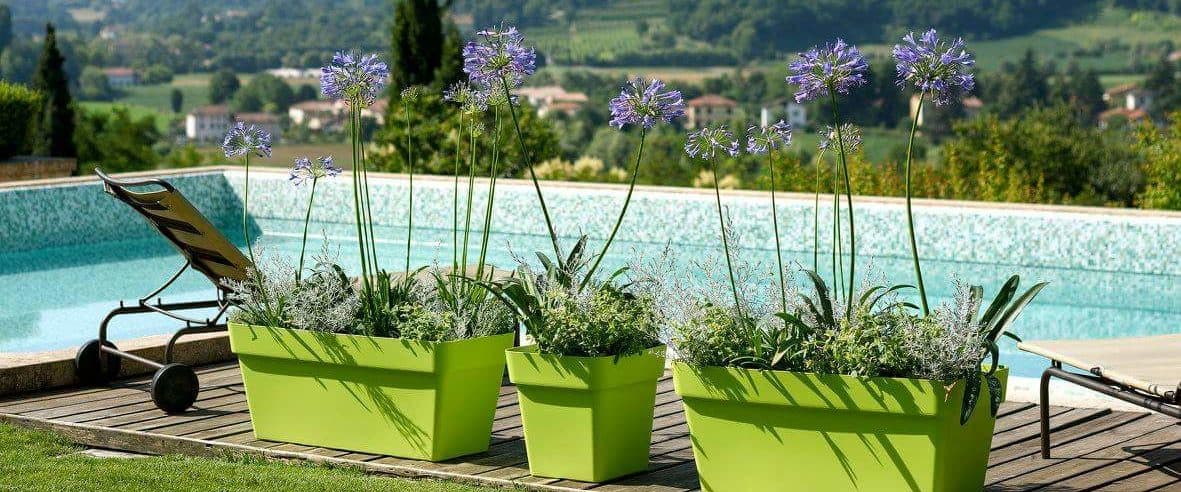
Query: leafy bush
<point>414,307</point>
<point>1161,150</point>
<point>569,314</point>
<point>19,105</point>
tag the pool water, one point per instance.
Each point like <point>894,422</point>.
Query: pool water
<point>54,296</point>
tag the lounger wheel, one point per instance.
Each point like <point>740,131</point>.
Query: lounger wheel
<point>88,363</point>
<point>175,388</point>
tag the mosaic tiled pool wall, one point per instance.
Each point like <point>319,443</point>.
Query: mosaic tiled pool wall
<point>1114,242</point>
<point>81,213</point>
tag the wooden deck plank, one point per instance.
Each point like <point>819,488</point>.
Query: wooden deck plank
<point>1071,463</point>
<point>1063,420</point>
<point>1137,459</point>
<point>1093,448</point>
<point>1105,431</point>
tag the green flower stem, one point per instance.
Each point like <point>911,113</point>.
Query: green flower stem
<point>849,198</point>
<point>549,224</point>
<point>816,217</point>
<point>631,187</point>
<point>838,257</point>
<point>491,198</point>
<point>357,205</point>
<point>914,248</point>
<point>245,211</point>
<point>471,185</point>
<point>455,205</point>
<point>775,225</point>
<point>726,242</point>
<point>410,165</point>
<point>306,219</point>
<point>368,203</point>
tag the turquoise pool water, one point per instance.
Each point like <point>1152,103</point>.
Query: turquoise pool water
<point>60,272</point>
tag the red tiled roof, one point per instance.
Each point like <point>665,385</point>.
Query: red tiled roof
<point>256,117</point>
<point>1121,89</point>
<point>1129,114</point>
<point>214,110</point>
<point>119,72</point>
<point>711,100</point>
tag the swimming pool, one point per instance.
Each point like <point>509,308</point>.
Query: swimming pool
<point>69,253</point>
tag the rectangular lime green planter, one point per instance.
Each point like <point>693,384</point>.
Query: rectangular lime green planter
<point>586,418</point>
<point>406,398</point>
<point>759,430</point>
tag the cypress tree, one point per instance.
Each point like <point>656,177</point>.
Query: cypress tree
<point>451,65</point>
<point>5,26</point>
<point>56,131</point>
<point>416,45</point>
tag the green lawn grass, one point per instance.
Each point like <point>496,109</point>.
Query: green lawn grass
<point>283,154</point>
<point>135,110</point>
<point>1058,44</point>
<point>42,461</point>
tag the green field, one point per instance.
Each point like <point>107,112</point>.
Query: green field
<point>1060,44</point>
<point>136,111</point>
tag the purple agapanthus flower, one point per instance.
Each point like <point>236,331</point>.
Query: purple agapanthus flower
<point>935,66</point>
<point>763,139</point>
<point>849,134</point>
<point>705,143</point>
<point>241,140</point>
<point>836,66</point>
<point>645,104</point>
<point>306,170</point>
<point>354,78</point>
<point>500,54</point>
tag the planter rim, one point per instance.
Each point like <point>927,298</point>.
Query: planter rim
<point>369,337</point>
<point>398,354</point>
<point>829,392</point>
<point>820,375</point>
<point>528,367</point>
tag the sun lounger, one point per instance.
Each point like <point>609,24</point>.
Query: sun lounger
<point>1142,370</point>
<point>174,387</point>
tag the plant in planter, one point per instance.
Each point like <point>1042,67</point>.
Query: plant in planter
<point>852,388</point>
<point>587,387</point>
<point>406,364</point>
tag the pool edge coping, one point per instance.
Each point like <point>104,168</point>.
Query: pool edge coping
<point>672,190</point>
<point>27,372</point>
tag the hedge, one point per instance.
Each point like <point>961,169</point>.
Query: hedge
<point>19,106</point>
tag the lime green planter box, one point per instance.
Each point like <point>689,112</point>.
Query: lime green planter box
<point>586,418</point>
<point>759,430</point>
<point>406,398</point>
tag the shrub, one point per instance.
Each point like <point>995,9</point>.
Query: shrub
<point>20,106</point>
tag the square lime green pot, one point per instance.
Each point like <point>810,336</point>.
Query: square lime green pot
<point>406,398</point>
<point>760,430</point>
<point>586,418</point>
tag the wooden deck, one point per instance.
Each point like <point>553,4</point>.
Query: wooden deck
<point>1094,449</point>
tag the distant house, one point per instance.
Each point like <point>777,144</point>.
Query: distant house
<point>295,73</point>
<point>207,123</point>
<point>315,114</point>
<point>709,109</point>
<point>553,98</point>
<point>119,77</point>
<point>1121,116</point>
<point>266,122</point>
<point>1128,96</point>
<point>787,110</point>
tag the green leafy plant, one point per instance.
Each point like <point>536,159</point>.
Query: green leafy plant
<point>567,315</point>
